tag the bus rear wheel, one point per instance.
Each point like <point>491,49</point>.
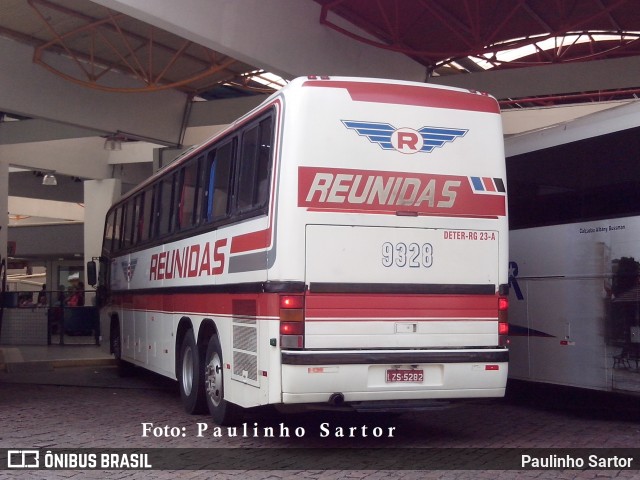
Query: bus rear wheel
<point>190,375</point>
<point>222,412</point>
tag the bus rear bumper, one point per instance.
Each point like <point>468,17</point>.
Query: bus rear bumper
<point>361,377</point>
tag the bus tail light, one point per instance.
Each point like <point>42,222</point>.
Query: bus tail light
<point>503,321</point>
<point>292,321</point>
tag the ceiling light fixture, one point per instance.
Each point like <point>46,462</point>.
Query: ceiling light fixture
<point>49,179</point>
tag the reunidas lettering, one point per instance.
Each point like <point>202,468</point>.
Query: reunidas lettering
<point>378,190</point>
<point>189,262</point>
<point>385,192</point>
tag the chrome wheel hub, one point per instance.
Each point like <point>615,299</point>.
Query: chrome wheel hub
<point>213,380</point>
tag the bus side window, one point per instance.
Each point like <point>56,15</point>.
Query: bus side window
<point>178,222</point>
<point>188,189</point>
<point>209,182</point>
<point>155,210</point>
<point>145,219</point>
<point>200,188</point>
<point>109,231</point>
<point>129,223</point>
<point>117,230</point>
<point>138,203</point>
<point>164,209</point>
<point>247,170</point>
<point>218,181</point>
<point>254,168</point>
<point>264,162</point>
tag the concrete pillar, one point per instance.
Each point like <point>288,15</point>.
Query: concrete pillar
<point>99,195</point>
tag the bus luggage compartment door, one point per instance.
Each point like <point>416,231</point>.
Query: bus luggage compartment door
<point>381,287</point>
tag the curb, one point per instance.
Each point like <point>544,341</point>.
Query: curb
<point>83,362</point>
<point>48,365</point>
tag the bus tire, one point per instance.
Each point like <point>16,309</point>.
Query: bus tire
<point>125,369</point>
<point>222,412</point>
<point>190,375</point>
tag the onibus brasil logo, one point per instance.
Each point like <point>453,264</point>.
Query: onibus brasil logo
<point>405,140</point>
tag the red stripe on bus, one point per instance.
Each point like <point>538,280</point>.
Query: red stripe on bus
<point>205,304</point>
<point>412,95</point>
<point>331,306</point>
<point>251,241</point>
<point>318,307</point>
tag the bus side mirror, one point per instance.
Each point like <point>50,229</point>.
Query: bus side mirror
<point>92,273</point>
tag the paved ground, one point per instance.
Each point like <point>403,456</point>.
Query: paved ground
<point>91,407</point>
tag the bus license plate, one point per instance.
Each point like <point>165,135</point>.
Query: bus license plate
<point>416,376</point>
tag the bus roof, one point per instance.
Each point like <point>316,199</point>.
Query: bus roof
<point>374,90</point>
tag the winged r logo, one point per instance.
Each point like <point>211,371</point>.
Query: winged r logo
<point>405,140</point>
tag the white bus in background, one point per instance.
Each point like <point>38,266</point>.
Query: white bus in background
<point>574,206</point>
<point>344,245</point>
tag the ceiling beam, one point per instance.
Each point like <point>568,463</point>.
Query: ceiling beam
<point>281,36</point>
<point>79,157</point>
<point>37,130</point>
<point>29,90</point>
<point>558,79</point>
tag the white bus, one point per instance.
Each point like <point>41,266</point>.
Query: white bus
<point>574,206</point>
<point>342,245</point>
